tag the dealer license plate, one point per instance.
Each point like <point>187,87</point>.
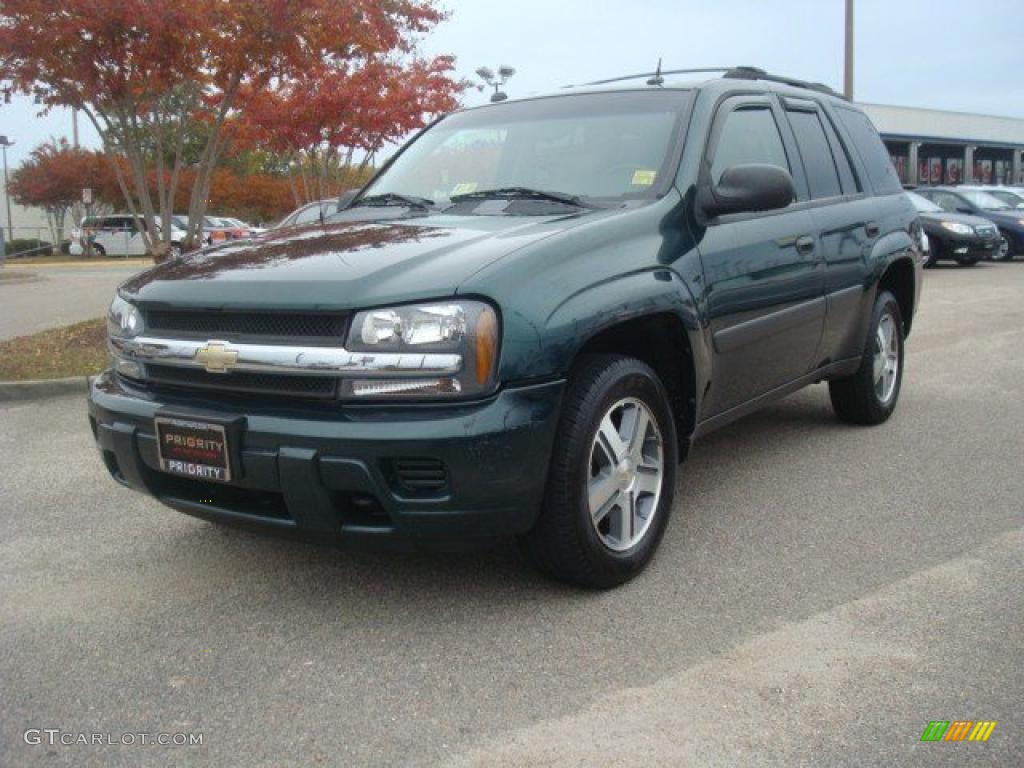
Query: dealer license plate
<point>195,449</point>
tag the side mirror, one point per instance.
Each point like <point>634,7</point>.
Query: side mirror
<point>744,188</point>
<point>963,209</point>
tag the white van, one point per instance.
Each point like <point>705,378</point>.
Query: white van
<point>117,235</point>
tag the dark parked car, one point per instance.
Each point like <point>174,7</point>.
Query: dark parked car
<point>1012,196</point>
<point>976,202</point>
<point>956,236</point>
<point>524,336</point>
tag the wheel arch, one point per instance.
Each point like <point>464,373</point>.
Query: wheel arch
<point>900,279</point>
<point>661,340</point>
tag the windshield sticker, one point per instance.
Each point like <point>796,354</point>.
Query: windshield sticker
<point>644,178</point>
<point>464,188</point>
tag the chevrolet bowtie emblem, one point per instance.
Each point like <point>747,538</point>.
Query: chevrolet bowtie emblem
<point>216,357</point>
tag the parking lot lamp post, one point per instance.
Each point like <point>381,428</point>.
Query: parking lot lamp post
<point>5,143</point>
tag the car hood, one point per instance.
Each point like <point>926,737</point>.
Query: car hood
<point>937,218</point>
<point>1011,217</point>
<point>344,265</point>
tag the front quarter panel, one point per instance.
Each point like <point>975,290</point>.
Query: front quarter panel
<point>557,294</point>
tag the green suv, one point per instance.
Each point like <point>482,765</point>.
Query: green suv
<point>522,323</point>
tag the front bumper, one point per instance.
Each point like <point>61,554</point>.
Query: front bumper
<point>331,472</point>
<point>953,246</point>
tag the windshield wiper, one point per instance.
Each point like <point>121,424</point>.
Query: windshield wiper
<point>394,198</point>
<point>527,193</point>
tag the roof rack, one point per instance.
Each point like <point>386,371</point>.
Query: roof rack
<point>701,71</point>
<point>753,73</point>
<point>739,73</point>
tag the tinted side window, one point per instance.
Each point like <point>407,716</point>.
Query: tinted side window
<point>749,135</point>
<point>871,150</point>
<point>947,201</point>
<point>851,184</point>
<point>822,176</point>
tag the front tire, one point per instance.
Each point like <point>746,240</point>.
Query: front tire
<point>869,396</point>
<point>612,476</point>
<point>1005,249</point>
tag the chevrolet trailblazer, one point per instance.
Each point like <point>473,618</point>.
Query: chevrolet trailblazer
<point>523,322</point>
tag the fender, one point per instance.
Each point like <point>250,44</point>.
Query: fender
<point>890,248</point>
<point>603,305</point>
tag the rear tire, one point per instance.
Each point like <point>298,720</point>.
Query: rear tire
<point>613,405</point>
<point>98,250</point>
<point>869,396</point>
<point>965,262</point>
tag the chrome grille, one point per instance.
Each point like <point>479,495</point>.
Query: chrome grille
<point>300,329</point>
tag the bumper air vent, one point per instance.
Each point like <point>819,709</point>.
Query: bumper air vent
<point>418,476</point>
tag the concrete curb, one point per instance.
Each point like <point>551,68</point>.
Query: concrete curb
<point>13,391</point>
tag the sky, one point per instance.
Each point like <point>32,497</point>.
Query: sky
<point>942,54</point>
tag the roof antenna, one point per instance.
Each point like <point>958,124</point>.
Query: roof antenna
<point>657,79</point>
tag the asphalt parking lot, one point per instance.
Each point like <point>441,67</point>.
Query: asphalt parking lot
<point>822,593</point>
<point>59,295</point>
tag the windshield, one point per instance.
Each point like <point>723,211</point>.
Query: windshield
<point>984,200</point>
<point>611,145</point>
<point>922,204</point>
<point>1012,199</point>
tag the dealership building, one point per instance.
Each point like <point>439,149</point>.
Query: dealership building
<point>931,146</point>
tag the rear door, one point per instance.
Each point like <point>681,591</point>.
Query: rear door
<point>763,274</point>
<point>842,218</point>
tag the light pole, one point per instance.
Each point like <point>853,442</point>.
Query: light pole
<point>5,143</point>
<point>487,75</point>
<point>848,60</point>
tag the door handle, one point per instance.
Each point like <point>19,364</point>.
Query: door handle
<point>805,244</point>
<point>872,228</point>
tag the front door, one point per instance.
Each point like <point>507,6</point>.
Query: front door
<point>763,272</point>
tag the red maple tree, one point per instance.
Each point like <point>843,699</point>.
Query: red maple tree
<point>52,179</point>
<point>145,71</point>
<point>332,120</point>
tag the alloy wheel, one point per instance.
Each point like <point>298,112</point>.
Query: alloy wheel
<point>1004,248</point>
<point>626,472</point>
<point>887,358</point>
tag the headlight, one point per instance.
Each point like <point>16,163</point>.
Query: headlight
<point>960,229</point>
<point>1021,222</point>
<point>466,328</point>
<point>123,319</point>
